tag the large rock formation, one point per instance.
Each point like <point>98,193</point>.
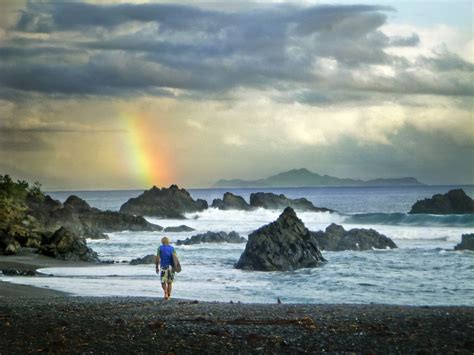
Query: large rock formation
<point>453,202</point>
<point>336,238</point>
<point>165,203</point>
<point>213,237</point>
<point>28,218</point>
<point>66,245</point>
<point>285,244</point>
<point>272,201</point>
<point>467,242</point>
<point>231,202</point>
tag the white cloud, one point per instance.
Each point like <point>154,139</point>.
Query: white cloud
<point>233,140</point>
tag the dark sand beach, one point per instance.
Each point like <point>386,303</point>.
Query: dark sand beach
<point>38,320</point>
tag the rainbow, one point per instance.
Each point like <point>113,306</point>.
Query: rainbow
<point>146,157</point>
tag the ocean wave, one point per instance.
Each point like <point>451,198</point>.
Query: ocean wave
<point>403,219</point>
<point>260,215</point>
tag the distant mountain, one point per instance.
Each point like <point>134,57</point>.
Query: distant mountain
<point>306,178</point>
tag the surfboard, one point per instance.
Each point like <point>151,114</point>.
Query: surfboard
<point>176,264</point>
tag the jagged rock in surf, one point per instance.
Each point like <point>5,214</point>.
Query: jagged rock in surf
<point>176,229</point>
<point>336,238</point>
<point>171,202</point>
<point>270,200</point>
<point>148,259</point>
<point>285,244</point>
<point>467,242</point>
<point>213,237</point>
<point>231,202</point>
<point>453,202</point>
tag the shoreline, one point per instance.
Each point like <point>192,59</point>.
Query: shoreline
<point>54,321</point>
<point>27,263</point>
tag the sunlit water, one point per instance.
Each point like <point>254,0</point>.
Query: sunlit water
<point>423,271</point>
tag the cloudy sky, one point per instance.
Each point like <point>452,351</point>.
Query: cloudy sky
<point>118,95</point>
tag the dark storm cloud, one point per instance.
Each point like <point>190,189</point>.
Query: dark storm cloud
<point>211,52</point>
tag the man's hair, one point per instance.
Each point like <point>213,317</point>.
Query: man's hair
<point>165,240</point>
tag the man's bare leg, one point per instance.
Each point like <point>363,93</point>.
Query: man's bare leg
<point>170,286</point>
<point>165,289</point>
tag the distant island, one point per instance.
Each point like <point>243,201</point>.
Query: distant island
<point>306,178</point>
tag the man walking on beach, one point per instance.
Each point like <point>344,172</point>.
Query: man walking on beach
<point>164,259</point>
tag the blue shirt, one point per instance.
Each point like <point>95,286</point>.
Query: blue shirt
<point>165,252</point>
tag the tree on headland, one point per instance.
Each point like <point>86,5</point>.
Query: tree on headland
<point>14,222</point>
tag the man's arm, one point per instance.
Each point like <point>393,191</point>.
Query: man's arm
<point>157,260</point>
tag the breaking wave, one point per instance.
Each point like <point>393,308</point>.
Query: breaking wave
<point>403,219</point>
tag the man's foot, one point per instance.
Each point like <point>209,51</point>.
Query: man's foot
<point>169,295</point>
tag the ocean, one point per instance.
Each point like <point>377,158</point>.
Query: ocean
<point>424,270</point>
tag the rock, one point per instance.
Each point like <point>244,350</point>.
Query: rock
<point>149,259</point>
<point>270,200</point>
<point>165,203</point>
<point>181,228</point>
<point>213,237</point>
<point>467,242</point>
<point>109,221</point>
<point>12,247</point>
<point>285,244</point>
<point>231,202</point>
<point>336,238</point>
<point>77,204</point>
<point>66,245</point>
<point>86,221</point>
<point>453,202</point>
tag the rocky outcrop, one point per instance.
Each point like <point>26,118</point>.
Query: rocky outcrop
<point>181,228</point>
<point>231,202</point>
<point>213,237</point>
<point>285,244</point>
<point>336,238</point>
<point>453,202</point>
<point>86,221</point>
<point>276,202</point>
<point>30,219</point>
<point>148,259</point>
<point>467,242</point>
<point>64,244</point>
<point>165,203</point>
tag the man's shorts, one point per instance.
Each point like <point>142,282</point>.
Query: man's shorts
<point>167,275</point>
